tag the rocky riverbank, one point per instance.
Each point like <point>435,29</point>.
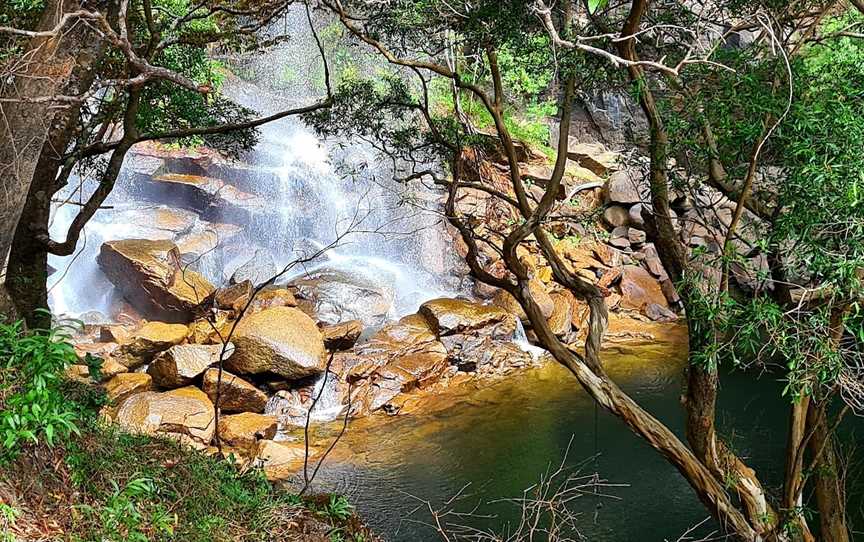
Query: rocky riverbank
<point>326,344</point>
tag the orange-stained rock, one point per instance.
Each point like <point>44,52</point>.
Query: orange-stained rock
<point>538,291</point>
<point>639,289</point>
<point>145,342</point>
<point>282,340</point>
<point>235,395</point>
<point>562,315</point>
<point>342,336</point>
<point>271,297</point>
<point>150,276</point>
<point>181,364</point>
<point>447,316</point>
<point>243,430</point>
<point>184,413</point>
<point>124,385</point>
<point>281,460</point>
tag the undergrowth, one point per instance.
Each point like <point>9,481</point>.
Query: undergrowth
<point>66,475</point>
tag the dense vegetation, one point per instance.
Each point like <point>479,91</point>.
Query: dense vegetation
<point>759,102</point>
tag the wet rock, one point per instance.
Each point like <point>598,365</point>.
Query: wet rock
<point>205,239</point>
<point>180,365</point>
<point>485,354</point>
<point>507,302</point>
<point>639,289</point>
<point>150,276</point>
<point>338,296</point>
<point>243,431</point>
<point>235,395</point>
<point>124,385</point>
<point>210,197</point>
<point>281,340</point>
<point>448,316</point>
<point>616,215</point>
<point>184,413</point>
<point>342,336</point>
<point>256,265</point>
<point>211,330</point>
<point>624,187</point>
<point>147,341</point>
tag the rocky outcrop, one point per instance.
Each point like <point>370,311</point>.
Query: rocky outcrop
<point>235,394</point>
<point>507,302</point>
<point>180,365</point>
<point>280,460</point>
<point>150,276</point>
<point>639,289</point>
<point>280,340</point>
<point>185,413</point>
<point>141,345</point>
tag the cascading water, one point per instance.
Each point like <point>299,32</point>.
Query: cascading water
<point>364,229</point>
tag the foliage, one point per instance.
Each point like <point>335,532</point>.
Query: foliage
<point>33,406</point>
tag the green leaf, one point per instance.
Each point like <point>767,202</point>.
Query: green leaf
<point>594,5</point>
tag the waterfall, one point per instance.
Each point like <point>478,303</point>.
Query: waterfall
<point>520,339</point>
<point>328,405</point>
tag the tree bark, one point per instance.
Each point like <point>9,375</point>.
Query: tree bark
<point>27,111</point>
<point>828,480</point>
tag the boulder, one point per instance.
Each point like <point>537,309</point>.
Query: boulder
<point>342,336</point>
<point>181,364</point>
<point>635,215</point>
<point>485,354</point>
<point>233,297</point>
<point>659,313</point>
<point>620,238</point>
<point>281,340</point>
<point>447,316</point>
<point>272,296</point>
<point>639,289</point>
<point>636,237</point>
<point>243,431</point>
<point>211,330</point>
<point>150,276</point>
<point>256,265</point>
<point>145,342</point>
<point>624,187</point>
<point>338,296</point>
<point>124,385</point>
<point>236,395</point>
<point>184,413</point>
<point>616,215</point>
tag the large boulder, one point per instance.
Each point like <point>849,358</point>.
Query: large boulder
<point>235,395</point>
<point>447,316</point>
<point>280,460</point>
<point>625,187</point>
<point>180,365</point>
<point>151,277</point>
<point>140,346</point>
<point>639,289</point>
<point>592,156</point>
<point>338,296</point>
<point>184,413</point>
<point>281,340</point>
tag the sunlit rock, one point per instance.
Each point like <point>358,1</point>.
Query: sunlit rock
<point>145,342</point>
<point>124,385</point>
<point>448,316</point>
<point>341,336</point>
<point>281,340</point>
<point>639,289</point>
<point>235,394</point>
<point>181,364</point>
<point>507,302</point>
<point>338,296</point>
<point>281,460</point>
<point>243,431</point>
<point>184,413</point>
<point>150,275</point>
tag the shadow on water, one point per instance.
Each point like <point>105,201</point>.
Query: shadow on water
<point>501,437</point>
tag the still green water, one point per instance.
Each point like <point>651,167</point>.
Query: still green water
<point>500,438</point>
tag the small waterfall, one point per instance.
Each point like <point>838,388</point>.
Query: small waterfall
<point>328,405</point>
<point>520,338</point>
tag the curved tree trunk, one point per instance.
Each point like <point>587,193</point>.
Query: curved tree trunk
<point>827,477</point>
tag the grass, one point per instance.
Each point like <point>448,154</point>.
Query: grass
<point>101,484</point>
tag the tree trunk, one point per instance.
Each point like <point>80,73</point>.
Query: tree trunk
<point>827,476</point>
<point>27,121</point>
